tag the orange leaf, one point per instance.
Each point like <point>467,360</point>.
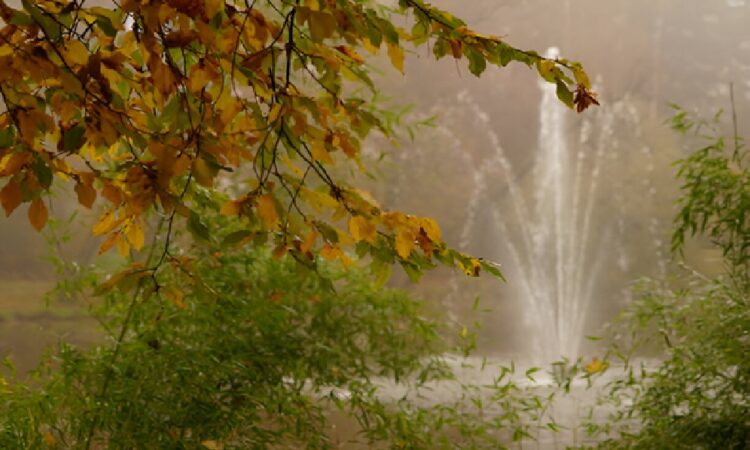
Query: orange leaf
<point>13,163</point>
<point>49,439</point>
<point>309,241</point>
<point>330,252</point>
<point>10,197</point>
<point>38,214</point>
<point>109,242</point>
<point>176,296</point>
<point>351,53</point>
<point>86,194</point>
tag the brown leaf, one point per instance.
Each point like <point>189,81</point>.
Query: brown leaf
<point>10,197</point>
<point>86,194</point>
<point>38,214</point>
<point>584,98</point>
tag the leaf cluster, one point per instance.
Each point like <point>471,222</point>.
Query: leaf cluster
<point>143,105</point>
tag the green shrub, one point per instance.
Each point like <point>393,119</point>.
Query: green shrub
<point>257,351</point>
<point>697,393</point>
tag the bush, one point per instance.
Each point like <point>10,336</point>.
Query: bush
<point>257,352</point>
<point>698,395</point>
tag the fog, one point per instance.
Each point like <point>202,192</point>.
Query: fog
<point>641,54</point>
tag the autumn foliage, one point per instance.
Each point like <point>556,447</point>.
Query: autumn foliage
<point>146,106</point>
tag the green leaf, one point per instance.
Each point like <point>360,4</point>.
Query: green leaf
<point>491,268</point>
<point>6,137</point>
<point>441,48</point>
<point>197,228</point>
<point>236,237</point>
<point>43,173</point>
<point>477,63</point>
<point>507,54</point>
<point>564,94</point>
<point>412,271</point>
<point>106,26</point>
<point>73,138</point>
<point>50,27</point>
<point>21,19</point>
<point>327,231</point>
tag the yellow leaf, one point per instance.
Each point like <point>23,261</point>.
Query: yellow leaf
<point>596,365</point>
<point>322,25</point>
<point>368,45</point>
<point>213,7</point>
<point>76,53</point>
<point>396,53</point>
<point>198,79</point>
<point>404,242</point>
<point>104,224</point>
<point>351,53</point>
<point>135,235</point>
<point>362,229</point>
<point>473,268</point>
<point>212,445</point>
<point>38,214</point>
<point>123,248</point>
<point>275,112</point>
<point>546,69</point>
<point>267,211</point>
<point>318,199</point>
<point>203,173</point>
<point>231,208</point>
<point>320,153</point>
<point>229,108</point>
<point>10,197</point>
<point>431,228</point>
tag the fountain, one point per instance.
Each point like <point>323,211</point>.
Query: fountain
<point>561,222</point>
<point>572,221</point>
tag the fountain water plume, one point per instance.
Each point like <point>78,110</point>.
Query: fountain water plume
<point>555,250</point>
<point>558,220</point>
